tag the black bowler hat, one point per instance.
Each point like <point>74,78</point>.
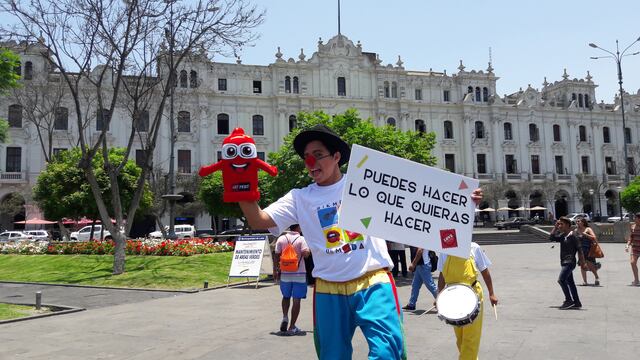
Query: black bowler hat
<point>325,135</point>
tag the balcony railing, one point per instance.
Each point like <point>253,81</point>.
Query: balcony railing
<point>12,177</point>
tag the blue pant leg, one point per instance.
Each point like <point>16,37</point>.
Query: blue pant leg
<point>427,279</point>
<point>416,283</point>
<point>334,326</point>
<point>380,319</point>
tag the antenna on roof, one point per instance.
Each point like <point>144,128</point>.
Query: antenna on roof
<point>490,60</point>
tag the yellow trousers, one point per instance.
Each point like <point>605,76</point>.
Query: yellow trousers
<point>468,337</point>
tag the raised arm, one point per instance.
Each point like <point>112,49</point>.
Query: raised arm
<point>256,217</point>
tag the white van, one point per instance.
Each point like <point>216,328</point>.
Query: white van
<point>84,233</point>
<point>183,231</point>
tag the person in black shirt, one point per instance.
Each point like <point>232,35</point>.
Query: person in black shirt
<point>569,246</point>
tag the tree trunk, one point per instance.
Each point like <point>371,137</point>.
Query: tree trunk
<point>118,253</point>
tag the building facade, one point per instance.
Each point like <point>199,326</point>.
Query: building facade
<point>526,140</point>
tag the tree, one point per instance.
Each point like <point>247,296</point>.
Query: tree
<point>117,52</point>
<point>585,183</point>
<point>494,191</point>
<point>410,145</point>
<point>8,80</point>
<point>549,189</point>
<point>62,191</point>
<point>630,196</point>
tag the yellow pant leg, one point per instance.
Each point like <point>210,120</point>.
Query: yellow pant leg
<point>468,338</point>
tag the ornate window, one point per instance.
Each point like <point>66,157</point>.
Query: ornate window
<point>556,133</point>
<point>184,121</point>
<point>102,118</point>
<point>258,125</point>
<point>342,86</point>
<point>193,79</point>
<point>287,84</point>
<point>293,122</point>
<point>223,124</point>
<point>15,116</point>
<point>61,119</point>
<point>448,129</point>
<point>296,85</point>
<point>606,135</point>
<point>141,120</point>
<point>508,133</point>
<point>391,121</point>
<point>420,126</point>
<point>28,70</point>
<point>183,78</point>
<point>479,127</point>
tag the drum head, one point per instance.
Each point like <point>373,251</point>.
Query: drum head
<point>456,302</point>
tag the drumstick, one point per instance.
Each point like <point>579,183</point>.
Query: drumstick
<point>495,311</point>
<point>433,307</point>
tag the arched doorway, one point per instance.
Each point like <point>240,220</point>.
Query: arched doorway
<point>536,200</point>
<point>513,202</point>
<point>12,210</point>
<point>562,203</point>
<point>613,205</point>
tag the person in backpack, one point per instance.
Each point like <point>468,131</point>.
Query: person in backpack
<point>291,249</point>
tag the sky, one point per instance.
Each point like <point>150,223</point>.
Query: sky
<point>528,39</point>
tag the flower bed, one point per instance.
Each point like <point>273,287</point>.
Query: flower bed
<point>133,247</point>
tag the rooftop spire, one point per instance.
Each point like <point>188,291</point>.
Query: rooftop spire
<point>339,17</point>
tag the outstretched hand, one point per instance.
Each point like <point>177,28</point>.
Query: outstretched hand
<point>477,196</point>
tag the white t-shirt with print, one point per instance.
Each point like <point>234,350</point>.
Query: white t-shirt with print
<point>481,259</point>
<point>338,255</point>
<point>299,244</point>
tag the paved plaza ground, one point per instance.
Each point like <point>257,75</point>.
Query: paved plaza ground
<point>241,322</point>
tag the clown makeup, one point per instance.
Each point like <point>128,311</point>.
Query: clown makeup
<point>310,160</point>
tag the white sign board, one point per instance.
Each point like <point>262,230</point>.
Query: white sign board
<point>247,256</point>
<point>402,201</point>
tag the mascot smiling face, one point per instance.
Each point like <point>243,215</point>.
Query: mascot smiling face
<point>239,165</point>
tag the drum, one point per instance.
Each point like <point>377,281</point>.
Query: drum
<point>458,305</point>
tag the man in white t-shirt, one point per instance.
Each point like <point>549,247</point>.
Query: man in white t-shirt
<point>353,284</point>
<point>293,284</point>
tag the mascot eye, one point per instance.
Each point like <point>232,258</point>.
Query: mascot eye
<point>248,151</point>
<point>229,151</point>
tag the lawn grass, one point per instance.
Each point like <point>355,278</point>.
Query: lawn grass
<point>10,311</point>
<point>153,272</point>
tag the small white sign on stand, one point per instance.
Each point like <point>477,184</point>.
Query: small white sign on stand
<point>402,201</point>
<point>248,258</point>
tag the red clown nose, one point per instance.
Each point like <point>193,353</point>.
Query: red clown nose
<point>310,161</point>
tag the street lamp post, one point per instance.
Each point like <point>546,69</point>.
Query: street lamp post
<point>618,59</point>
<point>171,197</point>
<point>620,200</point>
<point>591,192</point>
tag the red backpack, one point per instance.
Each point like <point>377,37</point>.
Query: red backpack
<point>289,258</point>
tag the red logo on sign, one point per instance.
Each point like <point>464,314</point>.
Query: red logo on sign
<point>448,238</point>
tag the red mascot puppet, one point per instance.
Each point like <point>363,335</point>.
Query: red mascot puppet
<point>239,167</point>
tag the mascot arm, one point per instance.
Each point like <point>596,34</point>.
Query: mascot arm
<point>270,169</point>
<point>209,169</point>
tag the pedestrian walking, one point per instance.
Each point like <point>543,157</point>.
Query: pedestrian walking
<point>633,245</point>
<point>569,246</point>
<point>293,284</point>
<point>421,269</point>
<point>587,239</point>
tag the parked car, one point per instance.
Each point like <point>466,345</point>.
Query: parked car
<point>625,217</point>
<point>39,235</point>
<point>513,223</point>
<point>14,236</point>
<point>183,231</point>
<point>574,216</point>
<point>84,233</point>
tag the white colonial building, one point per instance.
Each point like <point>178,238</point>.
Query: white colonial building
<point>530,137</point>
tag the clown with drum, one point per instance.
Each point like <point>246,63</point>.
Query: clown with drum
<point>463,293</point>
